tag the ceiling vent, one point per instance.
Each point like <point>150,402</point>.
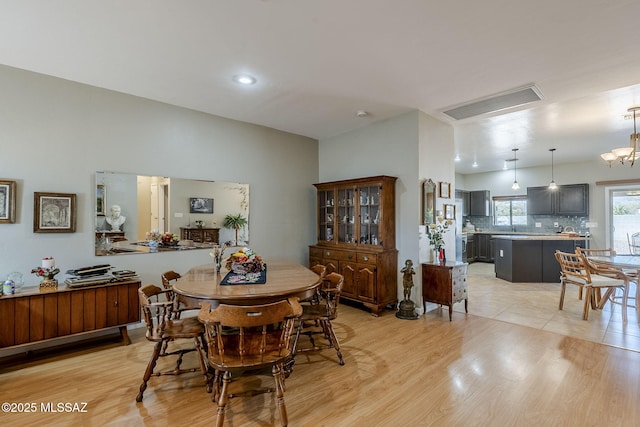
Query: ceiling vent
<point>491,104</point>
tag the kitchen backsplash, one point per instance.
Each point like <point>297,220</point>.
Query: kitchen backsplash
<point>485,223</point>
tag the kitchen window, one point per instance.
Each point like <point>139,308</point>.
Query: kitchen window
<point>509,210</point>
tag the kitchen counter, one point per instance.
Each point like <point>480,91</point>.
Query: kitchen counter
<point>520,258</point>
<point>557,236</point>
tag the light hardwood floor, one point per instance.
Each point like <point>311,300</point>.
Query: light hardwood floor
<point>486,368</point>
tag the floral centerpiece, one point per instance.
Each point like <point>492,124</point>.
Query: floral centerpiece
<point>164,239</point>
<point>47,271</point>
<point>436,232</point>
<point>218,254</point>
<point>245,261</point>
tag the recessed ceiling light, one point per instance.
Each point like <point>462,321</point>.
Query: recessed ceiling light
<point>474,165</point>
<point>361,113</point>
<point>244,79</point>
<point>457,158</point>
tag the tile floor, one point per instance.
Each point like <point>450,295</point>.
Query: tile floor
<point>536,305</point>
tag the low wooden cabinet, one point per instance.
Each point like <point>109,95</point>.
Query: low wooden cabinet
<point>200,234</point>
<point>445,284</point>
<point>356,238</point>
<point>32,316</point>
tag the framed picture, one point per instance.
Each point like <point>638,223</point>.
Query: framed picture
<point>200,205</point>
<point>101,200</point>
<point>445,190</point>
<point>449,211</point>
<point>7,202</point>
<point>54,213</point>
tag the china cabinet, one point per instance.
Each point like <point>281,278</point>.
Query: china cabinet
<point>34,316</point>
<point>356,238</point>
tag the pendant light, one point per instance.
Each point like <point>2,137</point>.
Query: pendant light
<point>552,184</point>
<point>515,185</point>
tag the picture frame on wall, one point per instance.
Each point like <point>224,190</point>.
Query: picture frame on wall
<point>449,211</point>
<point>200,205</point>
<point>7,202</point>
<point>101,200</point>
<point>445,190</point>
<point>54,213</point>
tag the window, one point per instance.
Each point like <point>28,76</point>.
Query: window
<point>509,211</point>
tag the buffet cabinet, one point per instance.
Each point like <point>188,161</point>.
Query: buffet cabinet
<point>356,238</point>
<point>445,284</point>
<point>34,316</point>
<point>200,234</point>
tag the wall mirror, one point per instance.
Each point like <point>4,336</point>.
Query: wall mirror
<point>428,202</point>
<point>145,204</point>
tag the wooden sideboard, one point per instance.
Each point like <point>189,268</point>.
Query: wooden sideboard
<point>445,284</point>
<point>34,316</point>
<point>200,234</point>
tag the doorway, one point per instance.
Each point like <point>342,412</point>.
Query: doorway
<point>624,216</point>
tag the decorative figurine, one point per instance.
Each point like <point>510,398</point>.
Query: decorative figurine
<point>407,308</point>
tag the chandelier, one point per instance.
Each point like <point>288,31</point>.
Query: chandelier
<point>626,154</point>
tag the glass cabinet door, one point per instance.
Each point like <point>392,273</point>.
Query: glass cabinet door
<point>370,215</point>
<point>326,215</point>
<point>346,215</point>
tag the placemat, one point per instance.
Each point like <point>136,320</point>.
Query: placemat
<point>245,279</point>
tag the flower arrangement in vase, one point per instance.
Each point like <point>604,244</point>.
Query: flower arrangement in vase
<point>245,261</point>
<point>437,231</point>
<point>162,239</point>
<point>47,271</point>
<point>218,254</point>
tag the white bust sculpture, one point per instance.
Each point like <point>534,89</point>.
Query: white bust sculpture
<point>115,220</point>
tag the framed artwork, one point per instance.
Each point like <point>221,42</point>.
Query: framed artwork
<point>101,200</point>
<point>449,211</point>
<point>200,205</point>
<point>7,202</point>
<point>445,190</point>
<point>54,213</point>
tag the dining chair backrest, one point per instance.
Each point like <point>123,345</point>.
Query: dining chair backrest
<point>595,268</point>
<point>256,341</point>
<point>573,268</point>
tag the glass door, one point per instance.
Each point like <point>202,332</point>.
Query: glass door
<point>624,217</point>
<point>326,215</point>
<point>369,215</point>
<point>346,215</point>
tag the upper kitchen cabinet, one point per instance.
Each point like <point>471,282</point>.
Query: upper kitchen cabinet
<point>567,200</point>
<point>480,203</point>
<point>464,196</point>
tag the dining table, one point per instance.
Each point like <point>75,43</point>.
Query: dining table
<point>283,280</point>
<point>629,265</point>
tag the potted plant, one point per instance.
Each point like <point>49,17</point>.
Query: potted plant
<point>235,222</point>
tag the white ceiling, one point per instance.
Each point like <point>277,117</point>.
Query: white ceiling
<point>318,62</point>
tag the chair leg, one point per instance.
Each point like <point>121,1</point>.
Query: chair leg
<point>223,399</point>
<point>278,376</point>
<point>587,302</point>
<point>149,371</point>
<point>203,367</point>
<point>563,287</point>
<point>333,339</point>
<point>625,299</point>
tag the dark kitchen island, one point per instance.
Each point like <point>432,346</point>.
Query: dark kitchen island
<point>524,258</point>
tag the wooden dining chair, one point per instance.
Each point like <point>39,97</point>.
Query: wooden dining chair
<point>168,278</point>
<point>245,339</point>
<point>574,270</point>
<point>316,318</point>
<point>162,329</point>
<point>321,271</point>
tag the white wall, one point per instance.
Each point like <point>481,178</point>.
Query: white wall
<point>412,147</point>
<point>55,134</point>
<point>499,183</point>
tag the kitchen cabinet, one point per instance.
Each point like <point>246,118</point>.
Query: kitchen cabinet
<point>445,284</point>
<point>356,238</point>
<point>480,203</point>
<point>485,245</point>
<point>567,200</point>
<point>471,255</point>
<point>464,196</point>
